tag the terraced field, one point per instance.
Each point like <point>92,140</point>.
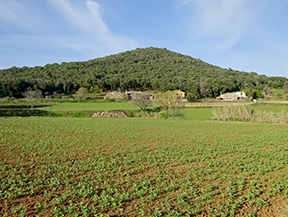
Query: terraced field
<point>136,167</point>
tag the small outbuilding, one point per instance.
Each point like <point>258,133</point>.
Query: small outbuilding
<point>180,93</point>
<point>114,95</point>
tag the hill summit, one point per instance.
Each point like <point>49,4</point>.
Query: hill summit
<point>139,69</point>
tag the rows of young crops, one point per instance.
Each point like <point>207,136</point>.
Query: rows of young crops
<point>134,167</point>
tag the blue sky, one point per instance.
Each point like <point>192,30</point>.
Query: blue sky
<point>245,35</point>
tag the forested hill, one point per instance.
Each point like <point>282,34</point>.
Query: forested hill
<point>148,68</point>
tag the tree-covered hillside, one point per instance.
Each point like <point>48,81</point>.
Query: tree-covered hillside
<point>149,68</point>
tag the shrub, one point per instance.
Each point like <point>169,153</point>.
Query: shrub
<point>81,93</point>
<point>247,114</point>
<point>190,97</point>
<point>234,113</point>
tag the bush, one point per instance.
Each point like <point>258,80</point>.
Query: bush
<point>247,114</point>
<point>255,94</point>
<point>129,114</point>
<point>81,93</point>
<point>190,97</point>
<point>234,113</point>
<point>77,114</point>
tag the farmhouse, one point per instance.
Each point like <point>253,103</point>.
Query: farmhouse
<point>233,96</point>
<point>228,96</point>
<point>180,93</point>
<point>240,95</point>
<point>114,95</point>
<point>135,95</point>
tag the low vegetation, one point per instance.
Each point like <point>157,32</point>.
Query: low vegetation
<point>59,166</point>
<point>203,114</point>
<point>91,107</point>
<point>247,113</point>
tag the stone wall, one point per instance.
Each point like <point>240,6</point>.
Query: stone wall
<point>109,115</point>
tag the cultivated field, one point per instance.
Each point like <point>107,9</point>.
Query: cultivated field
<point>271,108</point>
<point>198,113</point>
<point>136,167</point>
<point>91,106</point>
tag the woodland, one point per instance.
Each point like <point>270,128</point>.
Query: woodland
<point>143,69</point>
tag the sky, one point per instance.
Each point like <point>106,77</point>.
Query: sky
<point>245,35</point>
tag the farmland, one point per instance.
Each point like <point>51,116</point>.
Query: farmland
<point>271,108</point>
<point>189,113</point>
<point>136,167</point>
<point>197,113</point>
<point>91,106</point>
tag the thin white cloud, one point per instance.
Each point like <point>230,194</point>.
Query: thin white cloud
<point>86,16</point>
<point>95,11</point>
<point>77,26</point>
<point>88,21</point>
<point>18,18</point>
<point>226,21</point>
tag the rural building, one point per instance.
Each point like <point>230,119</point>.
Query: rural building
<point>229,96</point>
<point>114,95</point>
<point>240,95</point>
<point>135,94</point>
<point>179,93</point>
<point>232,96</point>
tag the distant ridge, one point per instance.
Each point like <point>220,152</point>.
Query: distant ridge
<point>140,69</point>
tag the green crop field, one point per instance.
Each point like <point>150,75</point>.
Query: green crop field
<point>91,106</point>
<point>137,167</point>
<point>198,113</point>
<point>271,108</point>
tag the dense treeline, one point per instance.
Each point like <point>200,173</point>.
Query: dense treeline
<point>142,69</point>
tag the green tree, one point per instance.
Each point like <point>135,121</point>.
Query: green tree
<point>254,93</point>
<point>81,93</point>
<point>91,90</point>
<point>190,97</point>
<point>257,94</point>
<point>96,89</point>
<point>204,88</point>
